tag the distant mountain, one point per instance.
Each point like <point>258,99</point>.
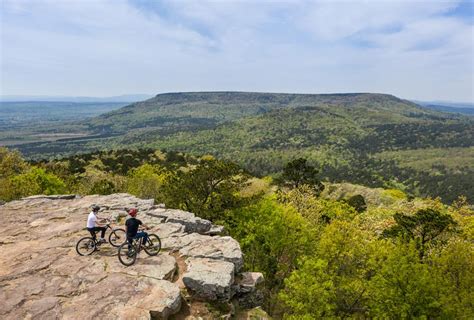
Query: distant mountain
<point>371,139</point>
<point>446,103</point>
<point>207,109</point>
<point>122,98</point>
<point>451,107</point>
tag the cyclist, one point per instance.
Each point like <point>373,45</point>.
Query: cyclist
<point>131,227</point>
<point>93,225</point>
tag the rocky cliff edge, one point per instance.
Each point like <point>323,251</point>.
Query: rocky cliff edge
<point>42,276</point>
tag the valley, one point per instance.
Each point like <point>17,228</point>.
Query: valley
<point>376,140</point>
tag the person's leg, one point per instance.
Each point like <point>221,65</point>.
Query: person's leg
<point>92,232</point>
<point>141,234</point>
<point>102,232</point>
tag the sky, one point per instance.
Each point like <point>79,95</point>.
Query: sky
<point>414,50</point>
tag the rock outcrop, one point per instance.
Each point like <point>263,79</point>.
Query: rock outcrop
<point>42,276</point>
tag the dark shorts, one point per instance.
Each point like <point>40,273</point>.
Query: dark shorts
<point>97,229</point>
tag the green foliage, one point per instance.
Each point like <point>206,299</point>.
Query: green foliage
<point>425,226</point>
<point>357,202</point>
<point>395,194</point>
<point>370,139</point>
<point>404,288</point>
<point>454,267</point>
<point>273,237</point>
<point>35,181</point>
<point>333,283</point>
<point>318,211</point>
<point>297,173</point>
<point>320,257</point>
<point>147,181</point>
<point>11,163</point>
<point>95,180</point>
<point>206,189</point>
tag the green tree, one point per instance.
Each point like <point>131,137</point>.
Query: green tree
<point>358,203</point>
<point>318,211</point>
<point>206,189</point>
<point>425,226</point>
<point>146,182</point>
<point>96,180</point>
<point>36,181</point>
<point>273,237</point>
<point>404,287</point>
<point>333,282</point>
<point>11,163</point>
<point>454,269</point>
<point>298,172</point>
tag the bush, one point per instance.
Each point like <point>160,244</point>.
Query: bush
<point>146,182</point>
<point>35,181</point>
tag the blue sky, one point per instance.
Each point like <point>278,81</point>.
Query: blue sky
<point>415,50</point>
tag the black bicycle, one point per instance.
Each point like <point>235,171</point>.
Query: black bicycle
<point>128,252</point>
<point>87,245</point>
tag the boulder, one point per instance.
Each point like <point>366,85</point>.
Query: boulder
<point>248,293</point>
<point>161,300</point>
<point>209,279</point>
<point>218,248</point>
<point>249,281</point>
<point>190,222</point>
<point>215,230</point>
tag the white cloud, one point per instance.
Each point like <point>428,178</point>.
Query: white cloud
<point>105,47</point>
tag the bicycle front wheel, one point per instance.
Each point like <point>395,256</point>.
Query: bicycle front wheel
<point>127,254</point>
<point>86,246</point>
<point>117,237</point>
<point>153,245</point>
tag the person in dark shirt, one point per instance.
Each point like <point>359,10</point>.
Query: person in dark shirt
<point>131,227</point>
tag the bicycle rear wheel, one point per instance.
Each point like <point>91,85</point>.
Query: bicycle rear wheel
<point>86,246</point>
<point>127,254</point>
<point>117,237</point>
<point>153,245</point>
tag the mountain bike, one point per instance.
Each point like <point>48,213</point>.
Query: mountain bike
<point>87,245</point>
<point>128,252</point>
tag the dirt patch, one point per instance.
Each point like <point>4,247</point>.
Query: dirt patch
<point>178,276</point>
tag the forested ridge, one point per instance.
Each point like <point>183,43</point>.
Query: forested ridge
<point>350,137</point>
<point>327,251</point>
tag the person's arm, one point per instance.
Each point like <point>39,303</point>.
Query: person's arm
<point>101,222</point>
<point>144,225</point>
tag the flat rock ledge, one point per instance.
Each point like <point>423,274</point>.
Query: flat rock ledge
<point>42,276</point>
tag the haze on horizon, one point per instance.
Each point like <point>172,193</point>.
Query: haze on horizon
<point>414,50</point>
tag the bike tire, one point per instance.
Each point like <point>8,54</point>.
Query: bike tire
<point>117,237</point>
<point>153,245</point>
<point>86,246</point>
<point>127,254</point>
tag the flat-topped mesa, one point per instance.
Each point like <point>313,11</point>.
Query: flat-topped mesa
<point>42,276</point>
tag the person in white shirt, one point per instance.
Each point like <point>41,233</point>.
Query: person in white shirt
<point>93,225</point>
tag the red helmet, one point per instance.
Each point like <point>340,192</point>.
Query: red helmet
<point>133,212</point>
